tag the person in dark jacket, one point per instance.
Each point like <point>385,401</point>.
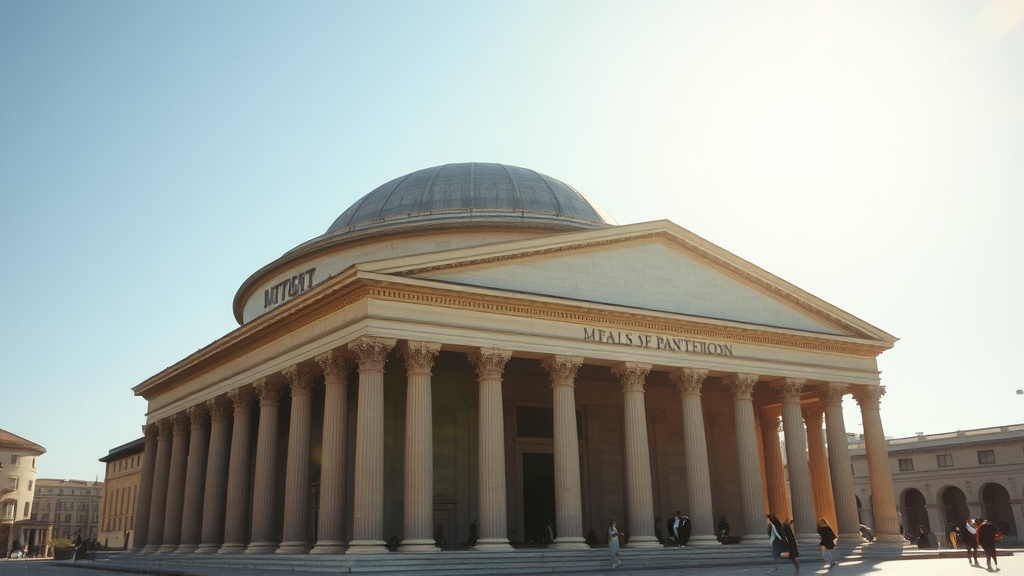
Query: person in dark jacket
<point>922,538</point>
<point>828,540</point>
<point>777,540</point>
<point>987,540</point>
<point>723,529</point>
<point>790,536</point>
<point>684,530</point>
<point>971,542</point>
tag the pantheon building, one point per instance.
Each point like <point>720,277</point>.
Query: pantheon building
<point>472,350</point>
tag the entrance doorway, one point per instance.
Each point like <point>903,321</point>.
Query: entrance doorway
<point>538,495</point>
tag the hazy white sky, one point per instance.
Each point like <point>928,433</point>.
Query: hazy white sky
<point>154,154</point>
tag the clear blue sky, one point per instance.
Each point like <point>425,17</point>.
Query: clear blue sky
<point>154,154</point>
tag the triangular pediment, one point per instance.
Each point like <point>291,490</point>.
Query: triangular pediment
<point>651,267</point>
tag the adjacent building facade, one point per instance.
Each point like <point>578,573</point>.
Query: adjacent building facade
<point>120,494</point>
<point>474,349</point>
<point>18,460</point>
<point>943,479</point>
<point>68,508</point>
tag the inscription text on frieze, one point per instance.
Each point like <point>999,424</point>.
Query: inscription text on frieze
<point>288,288</point>
<point>657,342</point>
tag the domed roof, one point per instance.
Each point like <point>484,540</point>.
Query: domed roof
<point>470,194</point>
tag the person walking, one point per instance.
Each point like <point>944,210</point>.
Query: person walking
<point>790,536</point>
<point>951,534</point>
<point>987,540</point>
<point>828,540</point>
<point>776,536</point>
<point>971,542</point>
<point>613,544</point>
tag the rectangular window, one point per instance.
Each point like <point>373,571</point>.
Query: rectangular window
<point>14,483</point>
<point>46,517</point>
<point>28,506</point>
<point>986,457</point>
<point>945,460</point>
<point>14,459</point>
<point>30,482</point>
<point>906,464</point>
<point>8,510</point>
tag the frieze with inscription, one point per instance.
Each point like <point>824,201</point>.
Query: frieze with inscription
<point>657,342</point>
<point>288,288</point>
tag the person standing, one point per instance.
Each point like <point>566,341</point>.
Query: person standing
<point>676,525</point>
<point>684,530</point>
<point>971,542</point>
<point>549,533</point>
<point>922,538</point>
<point>987,540</point>
<point>657,531</point>
<point>828,540</point>
<point>951,531</point>
<point>613,544</point>
<point>723,529</point>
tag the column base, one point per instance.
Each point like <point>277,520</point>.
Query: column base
<point>854,539</point>
<point>207,549</point>
<point>167,548</point>
<point>643,542</point>
<point>261,548</point>
<point>231,548</point>
<point>150,549</point>
<point>890,538</point>
<point>570,543</point>
<point>811,538</point>
<point>293,548</point>
<point>418,545</point>
<point>367,547</point>
<point>186,549</point>
<point>329,547</point>
<point>703,541</point>
<point>492,544</point>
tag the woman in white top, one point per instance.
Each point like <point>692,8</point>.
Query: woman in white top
<point>613,544</point>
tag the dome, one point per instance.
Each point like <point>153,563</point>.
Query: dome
<point>470,194</point>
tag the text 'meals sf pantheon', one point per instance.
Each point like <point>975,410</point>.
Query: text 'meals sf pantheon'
<point>475,349</point>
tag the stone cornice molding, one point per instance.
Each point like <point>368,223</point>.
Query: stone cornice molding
<point>741,385</point>
<point>490,362</point>
<point>199,416</point>
<point>789,389</point>
<point>689,380</point>
<point>562,369</point>
<point>219,408</point>
<point>832,395</point>
<point>301,379</point>
<point>419,356</point>
<point>371,353</point>
<point>181,423</point>
<point>242,399</point>
<point>633,375</point>
<point>268,391</point>
<point>869,397</point>
<point>336,367</point>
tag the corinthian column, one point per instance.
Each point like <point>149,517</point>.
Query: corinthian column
<point>741,386</point>
<point>847,522</point>
<point>262,539</point>
<point>789,390</point>
<point>821,483</point>
<point>158,506</point>
<point>883,500</point>
<point>195,479</point>
<point>176,483</point>
<point>145,497</point>
<point>331,522</point>
<point>637,456</point>
<point>419,448</point>
<point>568,496</point>
<point>698,476</point>
<point>296,488</point>
<point>215,491</point>
<point>490,363</point>
<point>774,470</point>
<point>237,509</point>
<point>368,521</point>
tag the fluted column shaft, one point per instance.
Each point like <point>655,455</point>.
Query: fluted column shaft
<point>490,363</point>
<point>741,386</point>
<point>296,539</point>
<point>261,538</point>
<point>568,494</point>
<point>158,506</point>
<point>774,470</point>
<point>698,474</point>
<point>216,485</point>
<point>195,478</point>
<point>821,482</point>
<point>331,522</point>
<point>176,483</point>
<point>419,448</point>
<point>236,514</point>
<point>145,498</point>
<point>882,498</point>
<point>639,494</point>
<point>368,488</point>
<point>800,490</point>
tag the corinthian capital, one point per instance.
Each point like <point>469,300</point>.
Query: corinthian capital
<point>490,362</point>
<point>371,353</point>
<point>419,356</point>
<point>199,416</point>
<point>869,397</point>
<point>562,369</point>
<point>336,367</point>
<point>151,430</point>
<point>268,391</point>
<point>633,375</point>
<point>181,423</point>
<point>219,408</point>
<point>689,380</point>
<point>832,396</point>
<point>300,379</point>
<point>741,386</point>
<point>789,389</point>
<point>242,398</point>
